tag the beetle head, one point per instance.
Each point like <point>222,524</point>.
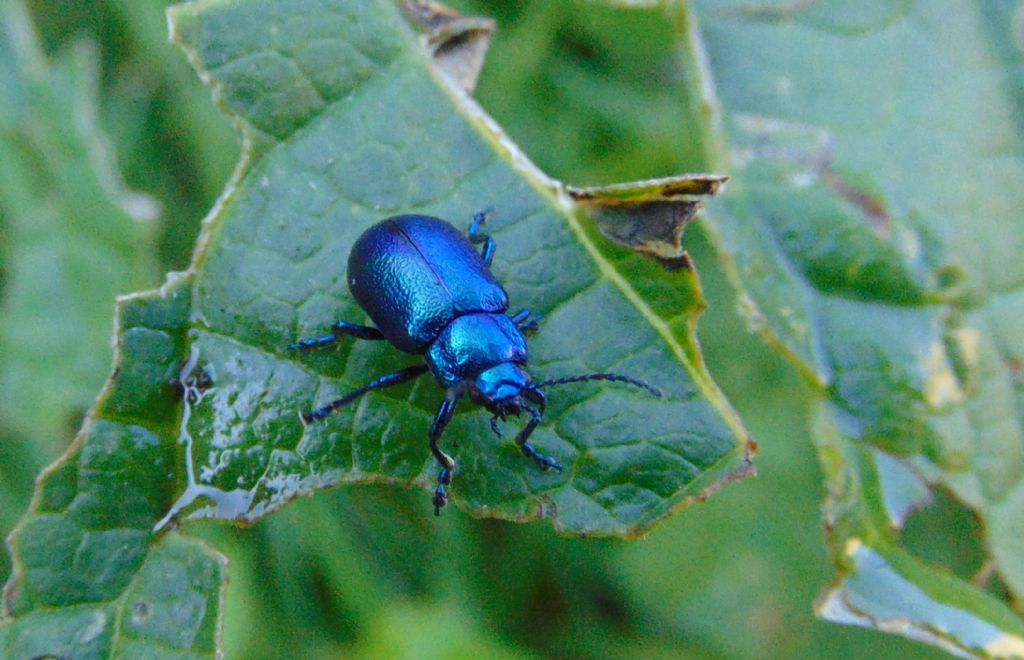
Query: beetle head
<point>500,388</point>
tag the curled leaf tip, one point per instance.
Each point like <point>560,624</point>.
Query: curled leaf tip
<point>649,216</point>
<point>456,43</point>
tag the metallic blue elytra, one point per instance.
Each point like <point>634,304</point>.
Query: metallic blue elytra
<point>429,292</point>
<point>415,274</point>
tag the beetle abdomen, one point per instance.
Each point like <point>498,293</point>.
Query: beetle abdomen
<point>414,274</point>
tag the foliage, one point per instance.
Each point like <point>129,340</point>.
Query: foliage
<point>363,570</point>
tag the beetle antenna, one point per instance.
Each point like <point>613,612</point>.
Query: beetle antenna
<point>612,377</point>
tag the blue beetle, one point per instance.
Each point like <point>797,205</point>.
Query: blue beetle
<point>429,292</point>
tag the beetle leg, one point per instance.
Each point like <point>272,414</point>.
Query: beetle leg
<point>339,330</point>
<point>476,237</point>
<point>444,478</point>
<point>524,322</point>
<point>545,462</point>
<point>387,380</point>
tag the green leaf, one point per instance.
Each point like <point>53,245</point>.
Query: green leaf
<point>345,120</point>
<point>885,588</point>
<point>198,122</point>
<point>74,237</point>
<point>334,149</point>
<point>90,578</point>
<point>871,223</point>
<point>169,609</point>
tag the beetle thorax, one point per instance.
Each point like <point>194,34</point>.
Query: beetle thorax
<point>473,344</point>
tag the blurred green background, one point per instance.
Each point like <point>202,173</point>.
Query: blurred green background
<point>593,95</point>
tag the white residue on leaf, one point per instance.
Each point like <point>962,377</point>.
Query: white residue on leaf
<point>217,462</point>
<point>223,504</point>
<point>94,629</point>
